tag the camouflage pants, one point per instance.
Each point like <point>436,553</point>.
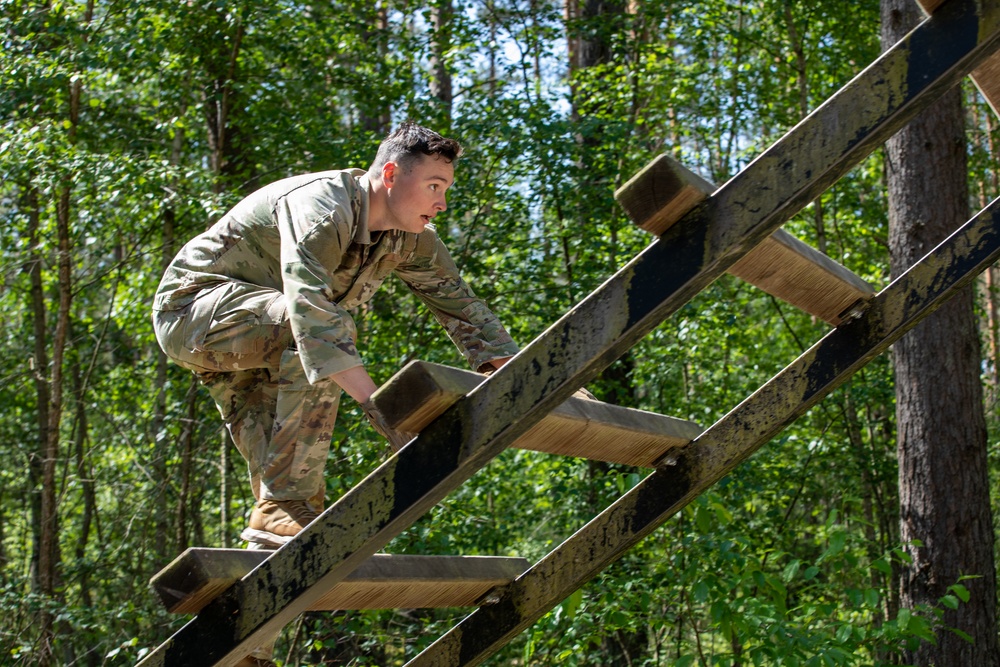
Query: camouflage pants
<point>237,339</point>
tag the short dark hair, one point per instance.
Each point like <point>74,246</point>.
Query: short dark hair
<point>408,142</point>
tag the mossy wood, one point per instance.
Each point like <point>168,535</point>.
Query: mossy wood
<point>987,75</point>
<point>782,265</point>
<point>421,391</point>
<point>666,275</point>
<point>384,581</point>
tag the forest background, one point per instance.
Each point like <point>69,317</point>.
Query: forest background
<point>129,127</point>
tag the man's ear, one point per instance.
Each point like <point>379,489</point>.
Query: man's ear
<point>389,173</point>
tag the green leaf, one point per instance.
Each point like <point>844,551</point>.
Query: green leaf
<point>572,603</point>
<point>963,635</point>
<point>960,591</point>
<point>883,566</point>
<point>700,591</point>
<point>871,597</point>
<point>920,627</point>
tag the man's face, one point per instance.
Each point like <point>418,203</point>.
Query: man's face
<point>417,195</point>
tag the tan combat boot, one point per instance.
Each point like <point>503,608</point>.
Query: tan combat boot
<point>274,522</point>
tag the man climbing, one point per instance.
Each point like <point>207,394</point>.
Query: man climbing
<point>257,306</point>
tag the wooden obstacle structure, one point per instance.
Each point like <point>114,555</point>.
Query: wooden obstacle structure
<point>706,242</point>
<point>665,191</point>
<point>384,581</point>
<point>987,75</point>
<point>421,391</point>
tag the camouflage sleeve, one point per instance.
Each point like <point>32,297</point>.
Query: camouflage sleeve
<point>432,275</point>
<point>315,224</point>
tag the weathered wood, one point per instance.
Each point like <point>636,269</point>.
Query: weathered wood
<point>661,194</point>
<point>987,75</point>
<point>416,395</point>
<point>904,80</point>
<point>987,79</point>
<point>782,265</point>
<point>384,581</point>
<point>715,453</point>
<point>797,273</point>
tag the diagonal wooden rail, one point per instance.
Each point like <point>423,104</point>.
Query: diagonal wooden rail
<point>730,441</point>
<point>744,211</point>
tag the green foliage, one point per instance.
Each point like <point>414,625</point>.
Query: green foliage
<point>792,560</point>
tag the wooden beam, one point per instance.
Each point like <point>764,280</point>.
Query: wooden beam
<point>953,265</point>
<point>384,581</point>
<point>902,82</point>
<point>987,75</point>
<point>421,391</point>
<point>661,194</point>
<point>797,273</point>
<point>782,265</point>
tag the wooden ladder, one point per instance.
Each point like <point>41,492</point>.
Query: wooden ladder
<point>707,241</point>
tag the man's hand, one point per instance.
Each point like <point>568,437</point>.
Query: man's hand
<point>396,438</point>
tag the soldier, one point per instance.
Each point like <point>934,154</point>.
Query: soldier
<point>258,307</point>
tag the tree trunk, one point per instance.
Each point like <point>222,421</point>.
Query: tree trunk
<point>941,445</point>
<point>230,159</point>
<point>441,87</point>
<point>377,118</point>
<point>40,365</point>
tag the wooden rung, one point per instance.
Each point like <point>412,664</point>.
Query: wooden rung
<point>384,581</point>
<point>421,391</point>
<point>987,75</point>
<point>661,194</point>
<point>782,265</point>
<point>797,273</point>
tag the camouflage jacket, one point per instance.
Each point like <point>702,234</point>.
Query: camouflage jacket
<point>307,236</point>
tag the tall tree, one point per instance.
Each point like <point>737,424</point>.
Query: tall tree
<point>943,484</point>
<point>442,13</point>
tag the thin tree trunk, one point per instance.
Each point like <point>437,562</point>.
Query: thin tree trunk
<point>160,435</point>
<point>225,494</point>
<point>442,12</point>
<point>86,481</point>
<point>40,365</point>
<point>802,84</point>
<point>187,446</point>
<point>379,121</point>
<point>48,555</point>
<point>941,444</point>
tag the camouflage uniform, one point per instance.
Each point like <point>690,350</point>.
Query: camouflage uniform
<point>257,307</point>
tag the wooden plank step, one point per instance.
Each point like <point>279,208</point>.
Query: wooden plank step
<point>384,581</point>
<point>987,75</point>
<point>421,391</point>
<point>782,265</point>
